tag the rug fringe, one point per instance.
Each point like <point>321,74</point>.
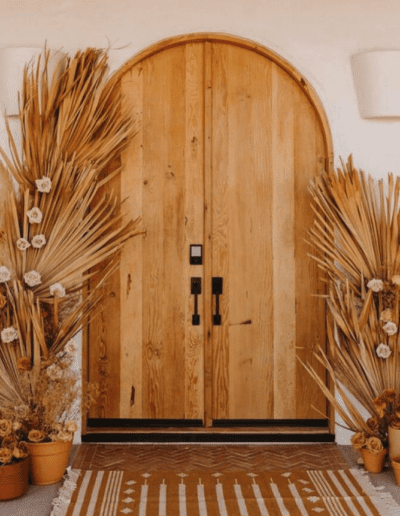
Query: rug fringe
<point>61,503</point>
<point>383,501</point>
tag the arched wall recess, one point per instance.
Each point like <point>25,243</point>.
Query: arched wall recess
<point>229,135</point>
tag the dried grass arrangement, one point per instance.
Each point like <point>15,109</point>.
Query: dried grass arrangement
<point>60,235</point>
<point>356,237</point>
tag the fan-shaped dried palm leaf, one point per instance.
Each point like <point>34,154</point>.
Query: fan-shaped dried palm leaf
<point>356,238</point>
<point>72,128</point>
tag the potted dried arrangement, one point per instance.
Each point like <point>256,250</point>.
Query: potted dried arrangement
<point>61,234</point>
<point>14,461</point>
<point>356,242</point>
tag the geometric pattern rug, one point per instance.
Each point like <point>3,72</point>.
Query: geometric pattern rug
<point>346,492</point>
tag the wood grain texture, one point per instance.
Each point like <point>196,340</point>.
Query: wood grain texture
<point>210,37</point>
<point>310,309</point>
<point>194,227</point>
<point>228,141</point>
<point>283,243</point>
<point>104,336</point>
<point>208,228</point>
<point>220,220</point>
<point>131,268</point>
<point>242,248</point>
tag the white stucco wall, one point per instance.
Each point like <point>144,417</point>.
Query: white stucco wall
<point>317,36</point>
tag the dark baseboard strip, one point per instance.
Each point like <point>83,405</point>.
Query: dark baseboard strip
<point>141,423</point>
<point>206,438</point>
<point>235,423</point>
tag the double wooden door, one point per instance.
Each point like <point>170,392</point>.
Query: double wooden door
<point>227,142</point>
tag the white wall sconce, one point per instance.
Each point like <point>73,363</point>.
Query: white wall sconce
<point>377,81</point>
<point>12,63</point>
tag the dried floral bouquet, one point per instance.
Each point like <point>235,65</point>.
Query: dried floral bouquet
<point>356,238</point>
<point>60,240</point>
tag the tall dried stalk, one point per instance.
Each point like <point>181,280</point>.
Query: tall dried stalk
<point>356,239</point>
<point>72,128</point>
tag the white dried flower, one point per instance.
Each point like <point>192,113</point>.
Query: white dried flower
<point>386,315</point>
<point>38,241</point>
<point>21,411</point>
<point>32,278</point>
<point>9,334</point>
<point>43,184</point>
<point>34,215</point>
<point>375,284</point>
<point>390,328</point>
<point>5,274</point>
<point>396,280</point>
<point>23,244</point>
<point>54,372</point>
<point>71,347</point>
<point>65,436</point>
<point>57,287</point>
<point>383,351</point>
<point>71,426</point>
<point>16,425</point>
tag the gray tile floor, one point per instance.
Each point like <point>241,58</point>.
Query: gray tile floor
<point>38,500</point>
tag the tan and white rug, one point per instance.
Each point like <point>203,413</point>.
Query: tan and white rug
<point>345,492</point>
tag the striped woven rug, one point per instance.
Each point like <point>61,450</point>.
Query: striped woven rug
<point>301,493</point>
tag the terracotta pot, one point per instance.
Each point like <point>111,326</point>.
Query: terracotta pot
<point>48,461</point>
<point>394,442</point>
<point>373,462</point>
<point>14,479</point>
<point>396,468</point>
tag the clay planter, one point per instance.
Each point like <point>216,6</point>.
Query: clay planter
<point>373,462</point>
<point>394,442</point>
<point>48,461</point>
<point>14,479</point>
<point>396,468</point>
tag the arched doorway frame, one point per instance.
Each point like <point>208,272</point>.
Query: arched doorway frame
<point>304,84</point>
<point>286,66</point>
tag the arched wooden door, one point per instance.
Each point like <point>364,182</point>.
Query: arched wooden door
<point>229,137</point>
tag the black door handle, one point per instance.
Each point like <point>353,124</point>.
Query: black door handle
<point>195,289</point>
<point>217,291</point>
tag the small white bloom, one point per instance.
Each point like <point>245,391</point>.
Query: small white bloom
<point>71,426</point>
<point>390,328</point>
<point>38,241</point>
<point>375,284</point>
<point>5,274</point>
<point>32,278</point>
<point>386,315</point>
<point>65,436</point>
<point>16,425</point>
<point>9,334</point>
<point>34,215</point>
<point>396,280</point>
<point>54,372</point>
<point>43,184</point>
<point>383,351</point>
<point>57,287</point>
<point>23,244</point>
<point>71,347</point>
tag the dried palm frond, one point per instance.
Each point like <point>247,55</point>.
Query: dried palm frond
<point>55,262</point>
<point>356,239</point>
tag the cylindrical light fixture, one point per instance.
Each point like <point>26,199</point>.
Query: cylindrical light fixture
<point>12,63</point>
<point>377,81</point>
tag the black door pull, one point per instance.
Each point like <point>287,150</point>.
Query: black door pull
<point>217,291</point>
<point>195,289</point>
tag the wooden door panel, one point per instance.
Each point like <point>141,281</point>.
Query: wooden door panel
<point>283,243</point>
<point>164,357</point>
<point>242,244</point>
<point>227,142</point>
<point>310,329</point>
